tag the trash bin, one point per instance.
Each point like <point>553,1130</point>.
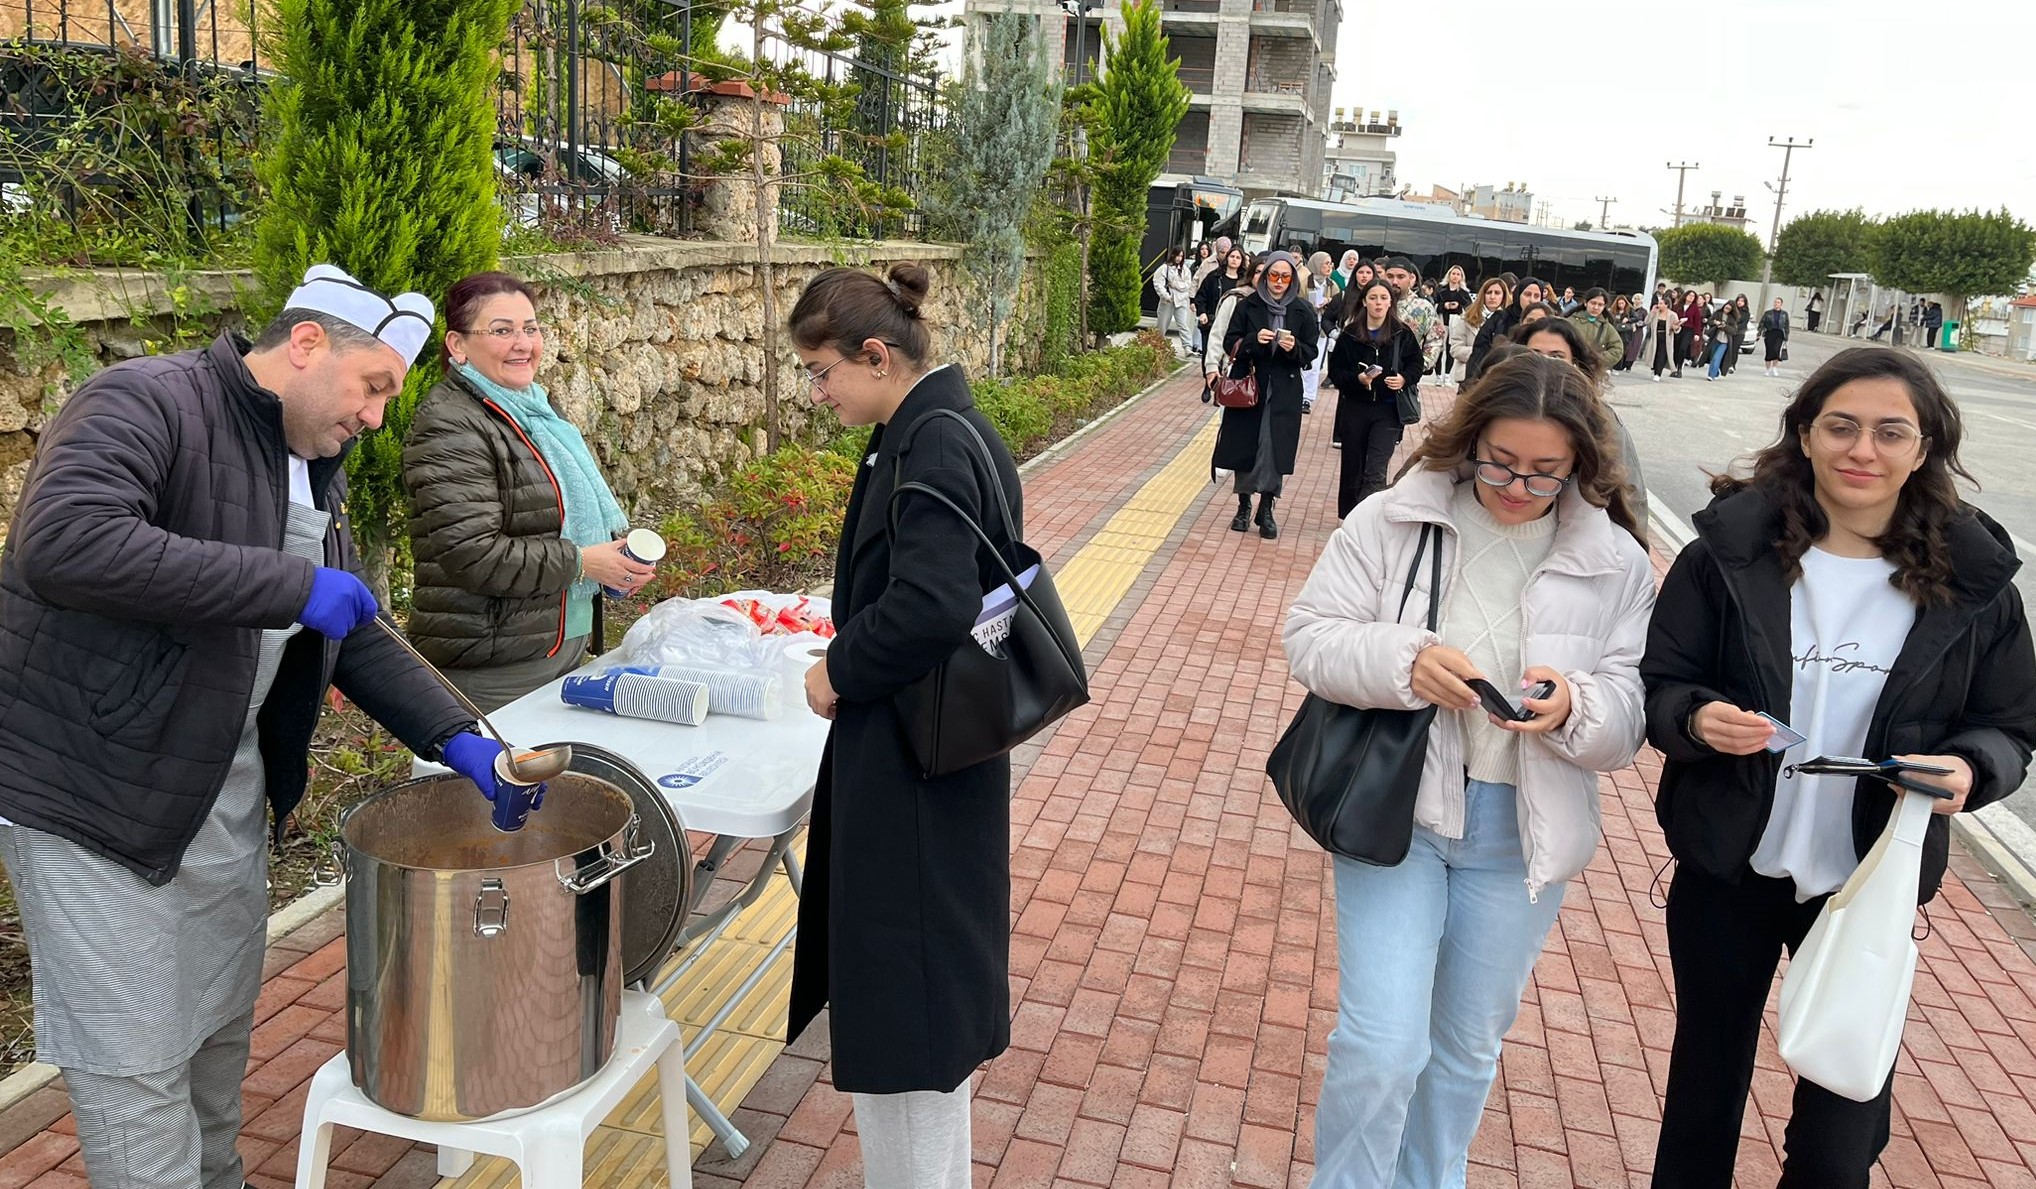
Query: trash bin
<point>1950,342</point>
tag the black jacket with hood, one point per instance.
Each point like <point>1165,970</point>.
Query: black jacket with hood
<point>1963,684</point>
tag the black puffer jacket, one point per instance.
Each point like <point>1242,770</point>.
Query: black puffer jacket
<point>485,522</point>
<point>1964,684</point>
<point>144,561</point>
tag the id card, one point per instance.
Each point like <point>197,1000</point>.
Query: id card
<point>1785,736</point>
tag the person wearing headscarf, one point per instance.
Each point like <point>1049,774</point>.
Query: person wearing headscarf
<point>178,590</point>
<point>1272,337</point>
<point>1346,268</point>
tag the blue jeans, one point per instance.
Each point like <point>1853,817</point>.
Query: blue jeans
<point>1431,956</point>
<point>1718,358</point>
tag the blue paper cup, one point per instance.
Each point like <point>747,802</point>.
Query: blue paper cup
<point>513,799</point>
<point>641,545</point>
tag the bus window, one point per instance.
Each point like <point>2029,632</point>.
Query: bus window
<point>1258,226</point>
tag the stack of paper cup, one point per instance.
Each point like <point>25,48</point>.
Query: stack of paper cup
<point>743,695</point>
<point>639,695</point>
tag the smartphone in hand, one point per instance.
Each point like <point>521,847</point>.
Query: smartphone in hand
<point>1497,706</point>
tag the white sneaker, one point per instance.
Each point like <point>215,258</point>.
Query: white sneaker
<point>1657,377</point>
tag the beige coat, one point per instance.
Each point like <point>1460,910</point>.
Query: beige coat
<point>1586,611</point>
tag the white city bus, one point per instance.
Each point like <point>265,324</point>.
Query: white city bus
<point>1434,238</point>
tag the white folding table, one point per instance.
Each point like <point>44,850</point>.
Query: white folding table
<point>737,779</point>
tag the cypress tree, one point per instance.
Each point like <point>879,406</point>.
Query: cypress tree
<point>1141,102</point>
<point>383,164</point>
<point>997,151</point>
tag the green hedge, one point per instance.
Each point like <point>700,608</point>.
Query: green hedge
<point>1034,411</point>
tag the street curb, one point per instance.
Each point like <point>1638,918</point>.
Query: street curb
<point>284,921</point>
<point>1054,452</point>
<point>2004,845</point>
<point>1668,529</point>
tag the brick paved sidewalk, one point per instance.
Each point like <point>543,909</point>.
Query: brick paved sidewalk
<point>1173,962</point>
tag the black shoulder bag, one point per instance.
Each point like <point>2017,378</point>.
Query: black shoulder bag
<point>1350,775</point>
<point>977,705</point>
<point>1407,401</point>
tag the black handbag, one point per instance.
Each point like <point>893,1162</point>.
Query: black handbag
<point>1350,775</point>
<point>976,705</point>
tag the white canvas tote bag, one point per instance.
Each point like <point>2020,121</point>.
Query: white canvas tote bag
<point>1846,992</point>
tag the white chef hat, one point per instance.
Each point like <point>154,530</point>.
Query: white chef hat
<point>404,322</point>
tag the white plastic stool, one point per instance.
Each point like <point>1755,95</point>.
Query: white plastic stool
<point>547,1144</point>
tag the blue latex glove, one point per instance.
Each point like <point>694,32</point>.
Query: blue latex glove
<point>472,755</point>
<point>339,603</point>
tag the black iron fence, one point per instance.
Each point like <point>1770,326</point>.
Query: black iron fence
<point>583,134</point>
<point>129,116</point>
<point>138,111</point>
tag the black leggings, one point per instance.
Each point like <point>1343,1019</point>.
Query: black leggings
<point>1724,942</point>
<point>1661,352</point>
<point>1370,432</point>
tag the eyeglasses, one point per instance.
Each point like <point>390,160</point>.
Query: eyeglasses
<point>1540,484</point>
<point>814,379</point>
<point>1893,438</point>
<point>503,334</point>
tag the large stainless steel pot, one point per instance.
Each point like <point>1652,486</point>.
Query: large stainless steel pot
<point>484,970</point>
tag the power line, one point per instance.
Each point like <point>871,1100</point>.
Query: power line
<point>1604,205</point>
<point>1682,173</point>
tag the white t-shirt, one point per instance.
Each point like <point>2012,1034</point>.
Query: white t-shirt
<point>1846,627</point>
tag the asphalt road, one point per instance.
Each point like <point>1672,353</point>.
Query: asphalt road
<point>1686,427</point>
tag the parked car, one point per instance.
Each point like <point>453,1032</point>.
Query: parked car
<point>528,167</point>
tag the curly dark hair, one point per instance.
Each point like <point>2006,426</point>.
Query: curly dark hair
<point>1538,388</point>
<point>1929,504</point>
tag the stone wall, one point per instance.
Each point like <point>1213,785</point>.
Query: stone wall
<point>655,350</point>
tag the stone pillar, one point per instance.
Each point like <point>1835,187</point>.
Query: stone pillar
<point>730,207</point>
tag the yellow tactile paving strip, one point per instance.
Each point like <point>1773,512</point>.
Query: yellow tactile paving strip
<point>627,1152</point>
<point>1096,579</point>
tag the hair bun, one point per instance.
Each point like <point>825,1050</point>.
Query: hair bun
<point>909,284</point>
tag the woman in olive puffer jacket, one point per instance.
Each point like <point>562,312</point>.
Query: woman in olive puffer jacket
<point>511,524</point>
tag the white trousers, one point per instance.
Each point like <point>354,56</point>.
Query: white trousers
<point>916,1140</point>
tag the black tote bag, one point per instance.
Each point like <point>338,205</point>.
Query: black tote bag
<point>1350,775</point>
<point>977,706</point>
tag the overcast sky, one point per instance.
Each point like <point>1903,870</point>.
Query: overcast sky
<point>1911,104</point>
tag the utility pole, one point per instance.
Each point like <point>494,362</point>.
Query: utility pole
<point>1604,204</point>
<point>1781,193</point>
<point>1682,174</point>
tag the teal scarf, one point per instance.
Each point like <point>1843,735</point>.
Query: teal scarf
<point>592,517</point>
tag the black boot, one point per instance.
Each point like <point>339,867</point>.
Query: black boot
<point>1267,527</point>
<point>1243,518</point>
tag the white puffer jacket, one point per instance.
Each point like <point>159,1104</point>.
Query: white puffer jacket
<point>1585,615</point>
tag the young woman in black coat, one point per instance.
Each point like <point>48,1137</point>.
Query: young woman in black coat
<point>1227,275</point>
<point>1529,291</point>
<point>904,921</point>
<point>1272,336</point>
<point>1843,587</point>
<point>1376,358</point>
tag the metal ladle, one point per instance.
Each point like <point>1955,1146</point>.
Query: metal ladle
<point>529,767</point>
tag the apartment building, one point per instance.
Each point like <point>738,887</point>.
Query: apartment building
<point>1258,74</point>
<point>1725,214</point>
<point>1359,161</point>
<point>1512,203</point>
